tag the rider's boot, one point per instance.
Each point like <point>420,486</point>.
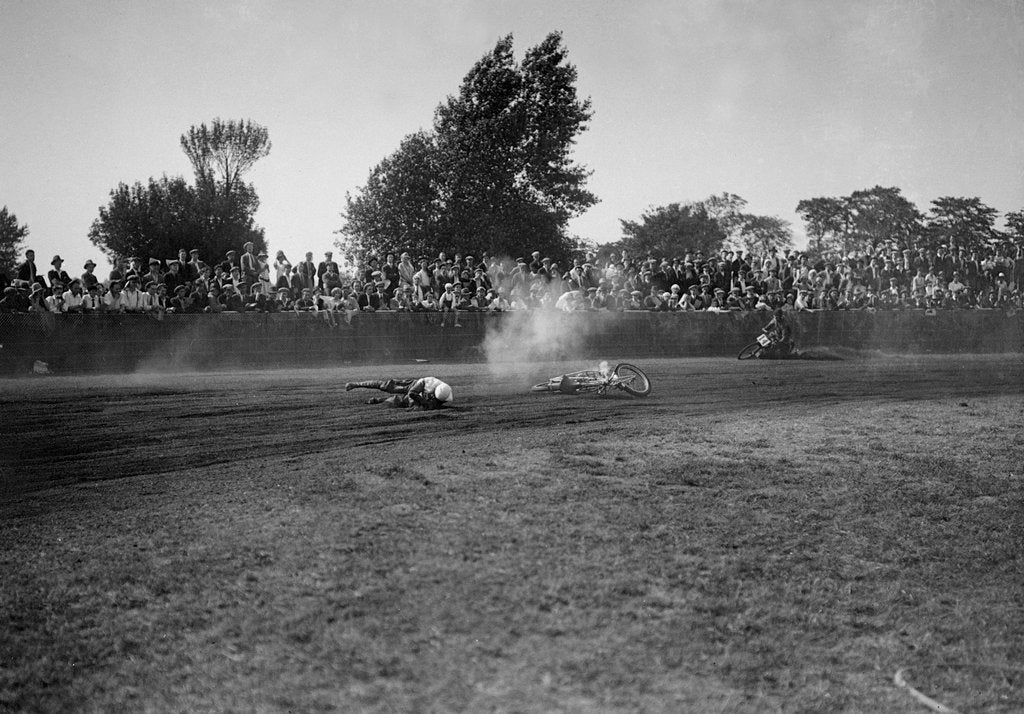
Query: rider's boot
<point>368,384</point>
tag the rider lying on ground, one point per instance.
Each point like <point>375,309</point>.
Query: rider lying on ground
<point>425,392</point>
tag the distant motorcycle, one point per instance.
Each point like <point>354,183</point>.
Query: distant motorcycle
<point>625,377</point>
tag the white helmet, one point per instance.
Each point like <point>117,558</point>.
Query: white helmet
<point>443,393</point>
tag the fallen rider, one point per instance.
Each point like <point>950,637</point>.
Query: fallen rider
<point>425,392</point>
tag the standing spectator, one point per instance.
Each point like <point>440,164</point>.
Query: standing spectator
<point>406,271</point>
<point>230,261</point>
<point>88,277</point>
<point>249,265</point>
<point>196,267</point>
<point>422,281</point>
<point>117,271</point>
<point>135,267</point>
<point>154,274</point>
<point>307,274</point>
<point>27,270</point>
<point>390,271</point>
<point>262,273</point>
<point>57,274</point>
<point>322,268</point>
<point>282,270</point>
<point>172,279</point>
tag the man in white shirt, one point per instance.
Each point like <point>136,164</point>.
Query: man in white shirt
<point>74,299</point>
<point>131,298</point>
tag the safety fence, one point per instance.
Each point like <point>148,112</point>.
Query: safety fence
<point>123,342</point>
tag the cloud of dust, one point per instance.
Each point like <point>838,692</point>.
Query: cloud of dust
<point>529,336</point>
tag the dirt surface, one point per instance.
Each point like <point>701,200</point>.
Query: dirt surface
<point>268,541</point>
<point>63,430</point>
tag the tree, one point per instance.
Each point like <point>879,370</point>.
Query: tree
<point>961,223</point>
<point>221,153</point>
<point>11,237</point>
<point>673,230</point>
<point>881,215</point>
<point>727,209</point>
<point>166,215</point>
<point>760,233</point>
<point>1015,227</point>
<point>825,219</point>
<point>495,174</point>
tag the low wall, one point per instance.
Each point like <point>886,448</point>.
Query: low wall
<point>121,343</point>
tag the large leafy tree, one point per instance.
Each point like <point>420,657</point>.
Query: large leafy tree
<point>673,230</point>
<point>496,173</point>
<point>825,220</point>
<point>11,237</point>
<point>1015,227</point>
<point>760,233</point>
<point>214,215</point>
<point>961,222</point>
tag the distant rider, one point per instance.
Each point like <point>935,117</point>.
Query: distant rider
<point>425,392</point>
<point>781,334</point>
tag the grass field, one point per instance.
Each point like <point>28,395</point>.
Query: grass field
<point>779,536</point>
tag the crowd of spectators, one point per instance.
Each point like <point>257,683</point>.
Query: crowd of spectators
<point>886,278</point>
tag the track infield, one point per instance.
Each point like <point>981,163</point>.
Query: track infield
<point>753,536</point>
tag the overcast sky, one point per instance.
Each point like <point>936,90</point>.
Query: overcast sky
<point>774,101</point>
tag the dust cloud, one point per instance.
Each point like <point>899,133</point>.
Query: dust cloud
<point>529,336</point>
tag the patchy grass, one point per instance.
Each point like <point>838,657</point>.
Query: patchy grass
<point>742,561</point>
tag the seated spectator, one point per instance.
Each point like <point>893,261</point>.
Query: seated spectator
<point>113,301</point>
<point>131,298</point>
<point>55,301</point>
<point>11,301</point>
<point>376,298</point>
<point>153,301</point>
<point>93,300</point>
<point>214,303</point>
<point>284,299</point>
<point>74,298</point>
<point>37,299</point>
<point>403,300</point>
<point>305,302</point>
<point>184,302</point>
<point>734,300</point>
<point>719,303</point>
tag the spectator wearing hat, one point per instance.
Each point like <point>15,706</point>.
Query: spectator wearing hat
<point>118,269</point>
<point>37,298</point>
<point>73,299</point>
<point>183,302</point>
<point>54,302</point>
<point>131,298</point>
<point>322,268</point>
<point>212,301</point>
<point>406,270</point>
<point>196,268</point>
<point>331,278</point>
<point>390,271</point>
<point>422,280</point>
<point>232,298</point>
<point>230,261</point>
<point>263,276</point>
<point>89,277</point>
<point>448,304</point>
<point>153,303</point>
<point>283,300</point>
<point>12,300</point>
<point>249,266</point>
<point>57,274</point>
<point>173,278</point>
<point>306,273</point>
<point>135,268</point>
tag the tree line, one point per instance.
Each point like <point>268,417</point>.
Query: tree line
<point>495,173</point>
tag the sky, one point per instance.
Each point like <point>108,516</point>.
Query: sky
<point>774,101</point>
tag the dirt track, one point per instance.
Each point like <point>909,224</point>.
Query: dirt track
<point>267,541</point>
<point>62,430</point>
